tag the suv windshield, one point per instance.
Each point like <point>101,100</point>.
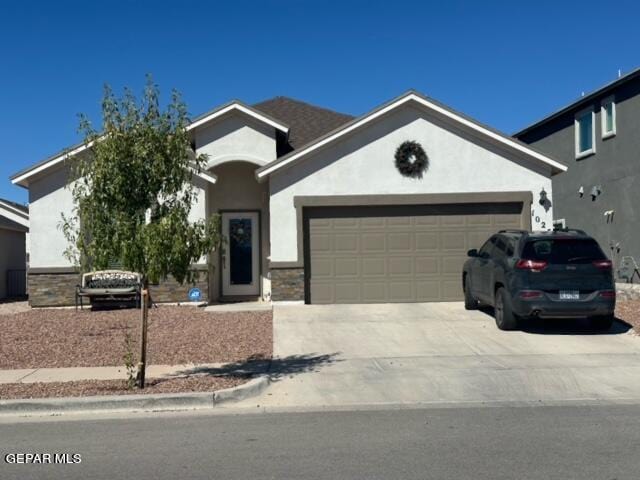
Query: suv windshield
<point>563,250</point>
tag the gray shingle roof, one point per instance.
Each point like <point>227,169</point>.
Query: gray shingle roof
<point>306,122</point>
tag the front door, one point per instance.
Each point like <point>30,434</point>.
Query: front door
<point>240,253</point>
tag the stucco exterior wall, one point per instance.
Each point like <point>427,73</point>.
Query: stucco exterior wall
<point>363,164</point>
<point>48,198</point>
<point>238,189</point>
<point>12,255</point>
<point>615,167</point>
<point>236,137</point>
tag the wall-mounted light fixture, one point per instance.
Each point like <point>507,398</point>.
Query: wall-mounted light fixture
<point>544,200</point>
<point>609,215</point>
<point>581,191</point>
<point>595,191</point>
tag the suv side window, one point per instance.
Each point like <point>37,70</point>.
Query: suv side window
<point>486,249</point>
<point>500,249</point>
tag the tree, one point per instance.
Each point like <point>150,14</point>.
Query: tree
<point>132,191</point>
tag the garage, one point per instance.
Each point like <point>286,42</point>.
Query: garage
<point>397,253</point>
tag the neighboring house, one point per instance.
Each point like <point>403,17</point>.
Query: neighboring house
<point>598,138</point>
<point>14,248</point>
<point>314,208</point>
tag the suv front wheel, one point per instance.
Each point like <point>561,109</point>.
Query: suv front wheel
<point>505,318</point>
<point>470,303</point>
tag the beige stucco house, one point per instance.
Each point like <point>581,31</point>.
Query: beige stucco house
<point>315,208</point>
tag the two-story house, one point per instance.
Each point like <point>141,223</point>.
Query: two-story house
<point>598,138</point>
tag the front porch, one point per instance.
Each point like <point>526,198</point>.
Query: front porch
<point>239,270</point>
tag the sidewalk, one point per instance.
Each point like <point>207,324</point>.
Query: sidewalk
<point>45,375</point>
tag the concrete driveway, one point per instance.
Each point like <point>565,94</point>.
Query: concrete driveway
<point>329,355</point>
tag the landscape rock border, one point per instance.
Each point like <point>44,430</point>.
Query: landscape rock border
<point>628,291</point>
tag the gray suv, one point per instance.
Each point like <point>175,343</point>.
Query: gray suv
<point>559,274</point>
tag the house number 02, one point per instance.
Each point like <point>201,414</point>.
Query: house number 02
<point>536,218</point>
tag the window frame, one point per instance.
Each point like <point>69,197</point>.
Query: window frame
<point>576,126</point>
<point>603,117</point>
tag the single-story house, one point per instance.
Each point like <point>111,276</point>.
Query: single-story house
<point>322,207</point>
<point>14,244</point>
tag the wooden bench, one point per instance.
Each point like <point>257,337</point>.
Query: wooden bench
<point>107,286</point>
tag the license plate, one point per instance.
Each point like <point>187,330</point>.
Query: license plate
<point>569,295</point>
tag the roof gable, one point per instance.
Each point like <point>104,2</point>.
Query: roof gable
<point>461,120</point>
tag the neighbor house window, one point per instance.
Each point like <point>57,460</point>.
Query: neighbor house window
<point>585,133</point>
<point>608,114</point>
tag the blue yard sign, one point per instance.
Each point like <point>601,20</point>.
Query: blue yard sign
<point>195,294</point>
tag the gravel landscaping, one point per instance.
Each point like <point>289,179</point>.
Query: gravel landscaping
<point>40,338</point>
<point>629,312</point>
<point>200,383</point>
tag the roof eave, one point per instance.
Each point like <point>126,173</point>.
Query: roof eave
<point>411,95</point>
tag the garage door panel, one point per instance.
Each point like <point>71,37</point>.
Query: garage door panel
<point>452,265</point>
<point>320,242</point>
<point>428,291</point>
<point>346,267</point>
<point>343,243</point>
<point>373,255</point>
<point>373,242</point>
<point>427,266</point>
<point>322,267</point>
<point>452,241</point>
<point>374,292</point>
<point>426,242</point>
<point>374,267</point>
<point>399,242</point>
<point>401,291</point>
<point>400,266</point>
<point>452,289</point>
<point>321,292</point>
<point>347,292</point>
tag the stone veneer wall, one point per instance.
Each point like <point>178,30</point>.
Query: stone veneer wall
<point>58,289</point>
<point>52,289</point>
<point>287,284</point>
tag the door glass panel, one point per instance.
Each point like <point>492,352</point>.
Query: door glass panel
<point>240,251</point>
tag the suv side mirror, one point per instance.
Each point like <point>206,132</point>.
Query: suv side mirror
<point>473,252</point>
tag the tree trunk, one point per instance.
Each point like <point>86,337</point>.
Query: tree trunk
<point>144,315</point>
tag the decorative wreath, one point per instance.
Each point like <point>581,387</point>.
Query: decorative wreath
<point>411,159</point>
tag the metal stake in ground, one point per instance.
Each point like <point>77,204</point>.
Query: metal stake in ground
<point>144,313</point>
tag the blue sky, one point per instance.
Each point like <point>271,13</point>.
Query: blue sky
<point>506,63</point>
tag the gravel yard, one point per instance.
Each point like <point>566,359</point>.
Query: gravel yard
<point>200,383</point>
<point>40,338</point>
<point>629,311</point>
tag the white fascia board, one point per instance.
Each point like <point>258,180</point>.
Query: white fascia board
<point>207,177</point>
<point>401,101</point>
<point>241,108</point>
<point>51,163</point>
<point>11,214</point>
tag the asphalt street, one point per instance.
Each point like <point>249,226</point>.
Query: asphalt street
<point>524,442</point>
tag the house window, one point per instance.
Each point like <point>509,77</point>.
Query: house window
<point>585,133</point>
<point>608,114</point>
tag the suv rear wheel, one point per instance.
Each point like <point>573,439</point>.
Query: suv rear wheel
<point>602,323</point>
<point>470,303</point>
<point>505,318</point>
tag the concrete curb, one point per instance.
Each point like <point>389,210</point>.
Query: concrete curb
<point>111,403</point>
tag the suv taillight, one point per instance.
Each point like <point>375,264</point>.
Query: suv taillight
<point>532,265</point>
<point>602,264</point>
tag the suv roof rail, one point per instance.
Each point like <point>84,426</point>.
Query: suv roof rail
<point>513,230</point>
<point>570,230</point>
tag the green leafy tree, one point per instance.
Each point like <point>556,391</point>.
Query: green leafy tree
<point>132,190</point>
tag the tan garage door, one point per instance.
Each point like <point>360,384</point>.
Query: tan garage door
<point>410,253</point>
